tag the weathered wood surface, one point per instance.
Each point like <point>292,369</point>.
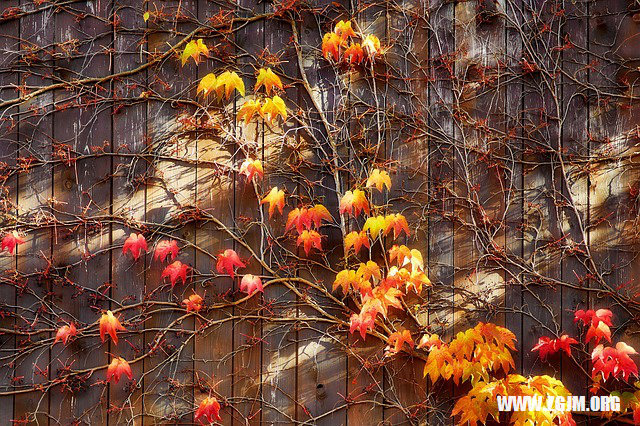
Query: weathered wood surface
<point>506,139</point>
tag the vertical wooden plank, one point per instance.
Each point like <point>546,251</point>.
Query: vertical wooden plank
<point>9,139</point>
<point>216,198</point>
<point>514,180</point>
<point>322,363</point>
<point>441,180</point>
<point>35,191</point>
<point>82,189</point>
<point>405,93</point>
<point>170,198</point>
<point>279,338</point>
<point>611,125</point>
<point>575,142</point>
<point>542,186</point>
<point>247,362</point>
<point>128,276</point>
<point>366,382</point>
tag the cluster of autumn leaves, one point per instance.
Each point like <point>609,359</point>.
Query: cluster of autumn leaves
<point>340,45</point>
<point>269,105</point>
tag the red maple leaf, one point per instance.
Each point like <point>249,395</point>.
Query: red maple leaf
<point>117,368</point>
<point>598,321</point>
<point>227,261</point>
<point>174,271</point>
<point>209,408</point>
<point>10,241</point>
<point>614,362</point>
<point>250,284</point>
<point>136,243</point>
<point>165,248</point>
<point>65,332</point>
<point>548,346</point>
<point>362,322</point>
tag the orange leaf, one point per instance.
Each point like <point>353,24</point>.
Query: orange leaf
<point>318,213</point>
<point>429,341</point>
<point>227,82</point>
<point>110,325</point>
<point>363,321</point>
<point>356,240</point>
<point>248,110</point>
<point>117,368</point>
<point>193,303</point>
<point>268,79</point>
<point>310,238</point>
<point>379,179</point>
<point>354,54</point>
<point>397,339</point>
<point>331,46</point>
<point>346,279</point>
<point>250,167</point>
<point>227,261</point>
<point>136,243</point>
<point>371,46</point>
<point>398,223</point>
<point>174,271</point>
<point>275,198</point>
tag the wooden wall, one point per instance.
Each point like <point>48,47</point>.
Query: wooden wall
<point>520,187</point>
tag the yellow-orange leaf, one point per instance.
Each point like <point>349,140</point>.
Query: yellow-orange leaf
<point>274,107</point>
<point>227,82</point>
<point>275,198</point>
<point>368,270</point>
<point>346,279</point>
<point>379,179</point>
<point>371,46</point>
<point>248,110</point>
<point>354,201</point>
<point>343,30</point>
<point>250,167</point>
<point>356,240</point>
<point>194,49</point>
<point>268,79</point>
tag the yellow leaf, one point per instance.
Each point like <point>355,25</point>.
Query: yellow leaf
<point>268,79</point>
<point>374,225</point>
<point>146,16</point>
<point>194,49</point>
<point>274,107</point>
<point>207,84</point>
<point>379,179</point>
